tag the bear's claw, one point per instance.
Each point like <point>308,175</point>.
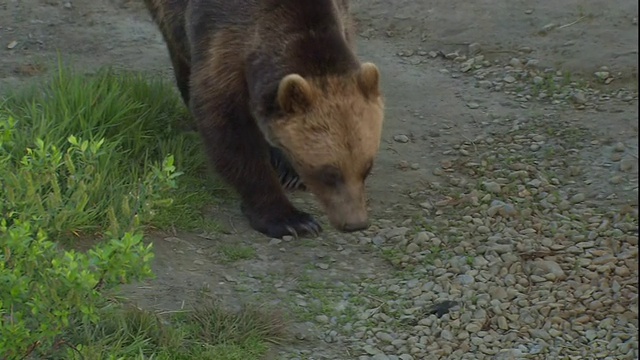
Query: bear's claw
<point>277,224</point>
<point>288,177</point>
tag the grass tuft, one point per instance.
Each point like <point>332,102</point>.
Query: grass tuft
<point>208,332</point>
<point>233,253</point>
<point>215,325</point>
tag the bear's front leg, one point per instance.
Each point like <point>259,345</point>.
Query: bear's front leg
<point>240,155</point>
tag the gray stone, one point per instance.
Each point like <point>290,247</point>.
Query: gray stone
<point>544,267</point>
<point>401,138</point>
<point>492,187</point>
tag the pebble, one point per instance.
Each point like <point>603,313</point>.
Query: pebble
<point>485,84</point>
<point>483,229</point>
<point>619,147</point>
<point>579,97</point>
<point>544,267</point>
<point>532,63</point>
<point>384,336</point>
<point>627,164</point>
<point>379,357</point>
<point>591,334</point>
<point>473,328</point>
<point>466,279</point>
<point>467,65</point>
<point>447,335</point>
<point>370,350</point>
<point>578,198</point>
<point>413,248</point>
<point>473,105</point>
<point>548,27</point>
<point>401,138</point>
<point>474,49</point>
<point>622,271</point>
<point>515,62</point>
<point>616,179</point>
<point>502,323</point>
<point>535,183</point>
<point>421,238</point>
<point>536,349</point>
<point>396,232</point>
<point>492,187</point>
<point>502,248</point>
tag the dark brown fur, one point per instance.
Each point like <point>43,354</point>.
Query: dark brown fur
<point>232,61</point>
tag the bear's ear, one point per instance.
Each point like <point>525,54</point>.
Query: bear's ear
<point>369,80</point>
<point>294,94</point>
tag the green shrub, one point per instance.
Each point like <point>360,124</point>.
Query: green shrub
<point>86,158</point>
<point>80,158</point>
<point>46,291</point>
<point>78,189</point>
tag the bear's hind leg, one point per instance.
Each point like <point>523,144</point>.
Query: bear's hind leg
<point>182,73</point>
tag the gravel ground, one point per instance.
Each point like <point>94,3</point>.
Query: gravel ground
<point>522,247</point>
<point>504,258</point>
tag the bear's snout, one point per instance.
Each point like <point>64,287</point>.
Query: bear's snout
<point>355,226</point>
<point>345,204</point>
<point>348,216</point>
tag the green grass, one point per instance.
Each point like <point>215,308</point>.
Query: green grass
<point>139,120</point>
<point>233,253</point>
<point>195,192</point>
<point>207,332</point>
<point>105,157</point>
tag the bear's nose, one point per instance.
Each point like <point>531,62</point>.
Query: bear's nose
<point>355,226</point>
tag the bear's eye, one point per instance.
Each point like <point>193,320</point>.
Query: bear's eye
<point>330,176</point>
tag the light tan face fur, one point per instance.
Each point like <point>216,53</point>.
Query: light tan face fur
<point>332,138</point>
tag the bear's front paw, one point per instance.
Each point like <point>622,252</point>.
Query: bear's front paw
<point>280,222</point>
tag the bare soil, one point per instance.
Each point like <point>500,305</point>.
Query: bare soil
<point>427,101</point>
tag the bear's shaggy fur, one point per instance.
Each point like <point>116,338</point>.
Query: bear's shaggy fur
<point>279,98</point>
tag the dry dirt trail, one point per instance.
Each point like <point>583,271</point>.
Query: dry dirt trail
<point>504,199</point>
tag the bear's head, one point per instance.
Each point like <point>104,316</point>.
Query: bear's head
<point>330,130</point>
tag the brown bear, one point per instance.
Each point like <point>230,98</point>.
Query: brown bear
<point>281,101</point>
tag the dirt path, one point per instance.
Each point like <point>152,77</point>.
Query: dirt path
<point>459,79</point>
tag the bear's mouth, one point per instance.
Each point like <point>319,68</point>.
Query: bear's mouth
<point>345,207</point>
